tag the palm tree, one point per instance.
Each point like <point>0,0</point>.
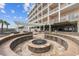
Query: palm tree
<point>6,23</point>
<point>1,21</point>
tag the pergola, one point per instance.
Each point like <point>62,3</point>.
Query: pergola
<point>19,25</point>
<point>34,24</point>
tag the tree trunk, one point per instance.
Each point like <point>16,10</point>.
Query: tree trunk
<point>7,27</point>
<point>2,28</point>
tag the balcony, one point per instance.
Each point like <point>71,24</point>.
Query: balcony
<point>39,9</point>
<point>54,20</point>
<point>64,4</point>
<point>45,12</point>
<point>51,21</point>
<point>44,22</point>
<point>53,10</point>
<point>64,18</point>
<point>44,5</point>
<point>70,17</point>
<point>73,17</point>
<point>39,16</point>
<point>50,4</point>
<point>38,4</point>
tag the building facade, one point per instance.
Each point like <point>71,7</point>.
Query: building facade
<point>54,17</point>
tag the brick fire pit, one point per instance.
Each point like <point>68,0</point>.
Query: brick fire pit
<point>39,45</point>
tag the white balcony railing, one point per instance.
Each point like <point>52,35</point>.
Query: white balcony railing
<point>44,22</point>
<point>45,14</point>
<point>56,20</point>
<point>71,17</point>
<point>52,21</point>
<point>53,10</point>
<point>64,4</point>
<point>64,18</point>
<point>45,5</point>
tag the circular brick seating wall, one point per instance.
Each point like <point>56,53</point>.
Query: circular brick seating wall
<point>19,40</point>
<point>13,40</point>
<point>57,39</point>
<point>9,37</point>
<point>75,40</point>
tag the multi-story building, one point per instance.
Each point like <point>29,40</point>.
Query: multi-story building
<point>54,17</point>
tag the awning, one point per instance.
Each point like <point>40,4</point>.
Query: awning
<point>66,23</point>
<point>35,24</point>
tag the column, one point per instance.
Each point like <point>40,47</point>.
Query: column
<point>78,26</point>
<point>49,19</point>
<point>41,17</point>
<point>29,29</point>
<point>43,27</point>
<point>59,12</point>
<point>37,16</point>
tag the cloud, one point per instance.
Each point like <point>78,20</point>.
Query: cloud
<point>2,5</point>
<point>27,12</point>
<point>26,6</point>
<point>13,11</point>
<point>3,11</point>
<point>20,17</point>
<point>15,17</point>
<point>23,11</point>
<point>7,16</point>
<point>18,5</point>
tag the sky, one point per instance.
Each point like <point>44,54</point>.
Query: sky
<point>12,12</point>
